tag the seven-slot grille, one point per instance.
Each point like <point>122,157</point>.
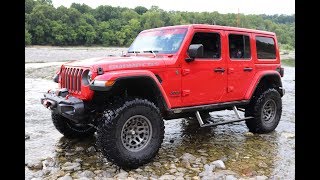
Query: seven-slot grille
<point>71,79</point>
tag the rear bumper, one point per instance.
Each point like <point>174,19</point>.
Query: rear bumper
<point>67,106</point>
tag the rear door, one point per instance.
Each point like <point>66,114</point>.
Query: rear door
<point>204,80</point>
<point>240,64</point>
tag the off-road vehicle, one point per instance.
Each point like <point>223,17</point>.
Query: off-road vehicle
<point>169,72</point>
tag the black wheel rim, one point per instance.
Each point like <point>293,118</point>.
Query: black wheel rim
<point>136,133</point>
<point>269,111</point>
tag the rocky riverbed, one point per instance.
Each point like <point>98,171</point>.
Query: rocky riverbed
<point>188,151</point>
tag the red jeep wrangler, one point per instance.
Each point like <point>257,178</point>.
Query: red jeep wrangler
<point>169,72</point>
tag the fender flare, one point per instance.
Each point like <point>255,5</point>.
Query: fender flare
<point>256,80</point>
<point>122,74</point>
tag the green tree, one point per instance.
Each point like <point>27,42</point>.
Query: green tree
<point>140,9</point>
<point>27,37</point>
<point>116,26</point>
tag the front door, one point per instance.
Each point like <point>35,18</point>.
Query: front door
<point>204,80</point>
<point>240,65</point>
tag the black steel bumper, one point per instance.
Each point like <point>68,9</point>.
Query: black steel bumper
<point>70,107</point>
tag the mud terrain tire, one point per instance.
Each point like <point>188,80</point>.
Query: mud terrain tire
<point>130,132</point>
<point>70,129</point>
<point>266,108</point>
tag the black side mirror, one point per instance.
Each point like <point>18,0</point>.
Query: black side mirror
<point>195,50</point>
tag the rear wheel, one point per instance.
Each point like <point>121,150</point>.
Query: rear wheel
<point>266,109</point>
<point>70,129</point>
<point>131,133</point>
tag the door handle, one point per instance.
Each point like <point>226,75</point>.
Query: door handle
<point>219,69</point>
<point>247,69</point>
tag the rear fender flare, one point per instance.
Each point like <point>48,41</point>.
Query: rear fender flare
<point>256,80</point>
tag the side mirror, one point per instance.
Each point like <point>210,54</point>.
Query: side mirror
<point>195,50</point>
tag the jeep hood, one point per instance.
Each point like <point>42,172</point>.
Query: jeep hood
<point>120,63</point>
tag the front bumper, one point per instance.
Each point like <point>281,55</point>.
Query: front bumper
<point>68,106</point>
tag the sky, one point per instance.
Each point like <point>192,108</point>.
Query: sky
<point>269,7</point>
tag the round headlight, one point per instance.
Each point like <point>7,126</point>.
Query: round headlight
<point>89,76</point>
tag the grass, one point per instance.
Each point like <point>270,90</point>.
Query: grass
<point>288,62</point>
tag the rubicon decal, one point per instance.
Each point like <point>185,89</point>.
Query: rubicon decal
<point>132,65</point>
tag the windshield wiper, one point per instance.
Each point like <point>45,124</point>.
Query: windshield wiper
<point>135,52</point>
<point>152,51</point>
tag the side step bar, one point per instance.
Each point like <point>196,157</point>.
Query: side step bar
<point>202,124</point>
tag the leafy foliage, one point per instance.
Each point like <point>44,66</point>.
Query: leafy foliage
<point>116,26</point>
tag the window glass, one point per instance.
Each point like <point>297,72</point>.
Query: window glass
<point>211,44</point>
<point>265,48</point>
<point>239,46</point>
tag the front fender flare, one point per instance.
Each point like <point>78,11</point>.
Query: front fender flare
<point>118,75</point>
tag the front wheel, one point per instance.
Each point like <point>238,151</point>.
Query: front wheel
<point>266,108</point>
<point>131,133</point>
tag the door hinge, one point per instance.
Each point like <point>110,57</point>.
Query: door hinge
<point>230,89</point>
<point>185,72</point>
<point>230,70</point>
<point>185,92</point>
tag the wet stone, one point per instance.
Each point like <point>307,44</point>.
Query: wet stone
<point>87,173</point>
<point>248,134</point>
<point>172,171</point>
<point>231,177</point>
<point>261,177</point>
<point>157,164</point>
<point>288,135</point>
<point>69,166</point>
<point>167,177</point>
<point>79,149</point>
<point>35,166</point>
<point>78,160</point>
<point>66,177</point>
<point>187,157</point>
<point>218,164</point>
<point>122,175</point>
<point>48,162</point>
<point>202,151</point>
<point>195,178</point>
<point>179,178</point>
<point>262,165</point>
<point>98,171</point>
<point>84,178</point>
<point>91,149</point>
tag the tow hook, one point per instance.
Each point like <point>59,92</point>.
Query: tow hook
<point>48,104</point>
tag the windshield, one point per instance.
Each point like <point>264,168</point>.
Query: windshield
<point>165,41</point>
